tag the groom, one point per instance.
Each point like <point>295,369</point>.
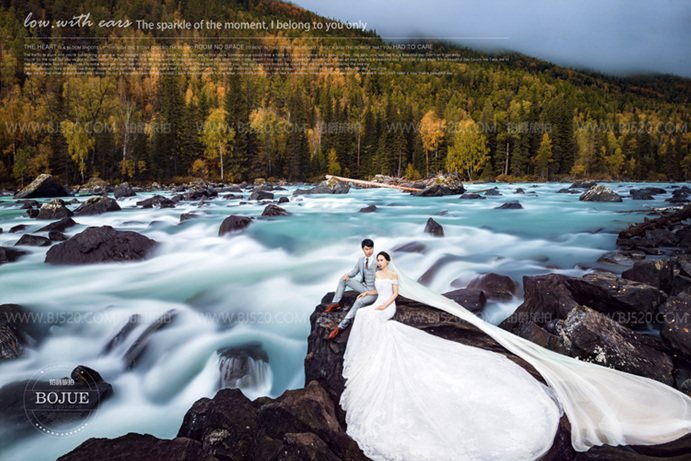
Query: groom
<point>360,279</point>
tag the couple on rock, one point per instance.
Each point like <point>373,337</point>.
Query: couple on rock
<point>362,278</point>
<point>410,395</point>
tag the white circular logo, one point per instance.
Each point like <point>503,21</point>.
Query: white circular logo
<point>61,399</point>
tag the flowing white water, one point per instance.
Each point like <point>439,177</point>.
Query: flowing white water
<point>261,285</point>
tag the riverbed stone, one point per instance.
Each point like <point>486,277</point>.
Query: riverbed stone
<point>658,273</point>
<point>54,209</point>
<point>495,286</point>
<point>600,194</point>
<point>59,226</point>
<point>44,186</point>
<point>102,244</point>
<point>10,255</point>
<point>97,205</point>
<point>434,228</point>
<point>233,224</point>
<point>225,425</point>
<point>511,205</point>
<point>139,447</point>
<point>33,240</point>
<point>272,210</point>
<point>676,313</point>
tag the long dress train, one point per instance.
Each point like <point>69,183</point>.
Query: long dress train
<point>413,396</point>
<point>603,405</point>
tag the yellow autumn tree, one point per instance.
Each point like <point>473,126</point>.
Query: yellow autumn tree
<point>217,137</point>
<point>469,152</point>
<point>432,133</point>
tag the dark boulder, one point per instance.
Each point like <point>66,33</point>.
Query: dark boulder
<point>102,244</point>
<point>56,236</point>
<point>440,190</point>
<point>59,226</point>
<point>97,205</point>
<point>27,204</point>
<point>680,198</point>
<point>519,191</point>
<point>139,447</point>
<point>32,213</point>
<point>600,194</point>
<point>628,302</point>
<point>13,334</point>
<point>683,263</point>
<point>368,209</point>
<point>661,237</point>
<point>274,210</point>
<point>568,191</point>
<point>472,299</point>
<point>614,257</point>
<point>192,215</point>
<point>200,192</point>
<point>434,228</point>
<point>55,209</point>
<point>591,336</point>
<point>10,255</point>
<point>33,241</point>
<point>309,411</point>
<point>44,186</point>
<point>658,273</point>
<point>234,223</point>
<point>330,186</point>
<point>224,426</point>
<point>676,313</point>
<point>495,286</point>
<point>261,194</point>
<point>412,247</point>
<point>512,205</point>
<point>583,185</point>
<point>18,228</point>
<point>472,197</point>
<point>239,197</point>
<point>283,200</point>
<point>493,192</point>
<point>95,186</point>
<point>123,190</point>
<point>640,195</point>
<point>157,201</point>
<point>551,297</point>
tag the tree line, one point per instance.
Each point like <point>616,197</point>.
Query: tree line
<point>516,119</point>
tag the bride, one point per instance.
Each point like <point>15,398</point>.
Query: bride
<point>413,396</point>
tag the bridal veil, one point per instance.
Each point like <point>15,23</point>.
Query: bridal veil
<point>604,406</point>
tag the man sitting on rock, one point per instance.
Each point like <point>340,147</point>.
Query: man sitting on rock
<point>360,279</point>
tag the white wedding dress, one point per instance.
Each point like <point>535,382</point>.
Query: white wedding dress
<point>413,396</point>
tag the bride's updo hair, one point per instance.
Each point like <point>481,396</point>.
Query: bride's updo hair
<point>385,255</point>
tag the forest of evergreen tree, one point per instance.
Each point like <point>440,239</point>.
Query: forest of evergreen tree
<point>515,119</point>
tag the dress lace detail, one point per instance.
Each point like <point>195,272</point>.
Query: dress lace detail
<point>413,396</point>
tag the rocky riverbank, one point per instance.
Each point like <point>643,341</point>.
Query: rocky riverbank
<point>622,321</point>
<point>308,423</point>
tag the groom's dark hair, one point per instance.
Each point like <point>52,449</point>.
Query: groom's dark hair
<point>367,243</point>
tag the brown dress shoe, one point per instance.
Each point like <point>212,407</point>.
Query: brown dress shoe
<point>334,332</point>
<point>333,307</point>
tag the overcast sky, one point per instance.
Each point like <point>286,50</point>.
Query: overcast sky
<point>611,36</point>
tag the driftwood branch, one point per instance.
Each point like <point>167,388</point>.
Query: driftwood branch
<point>371,183</point>
<point>662,222</point>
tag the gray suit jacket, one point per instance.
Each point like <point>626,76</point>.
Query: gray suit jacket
<point>359,270</point>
